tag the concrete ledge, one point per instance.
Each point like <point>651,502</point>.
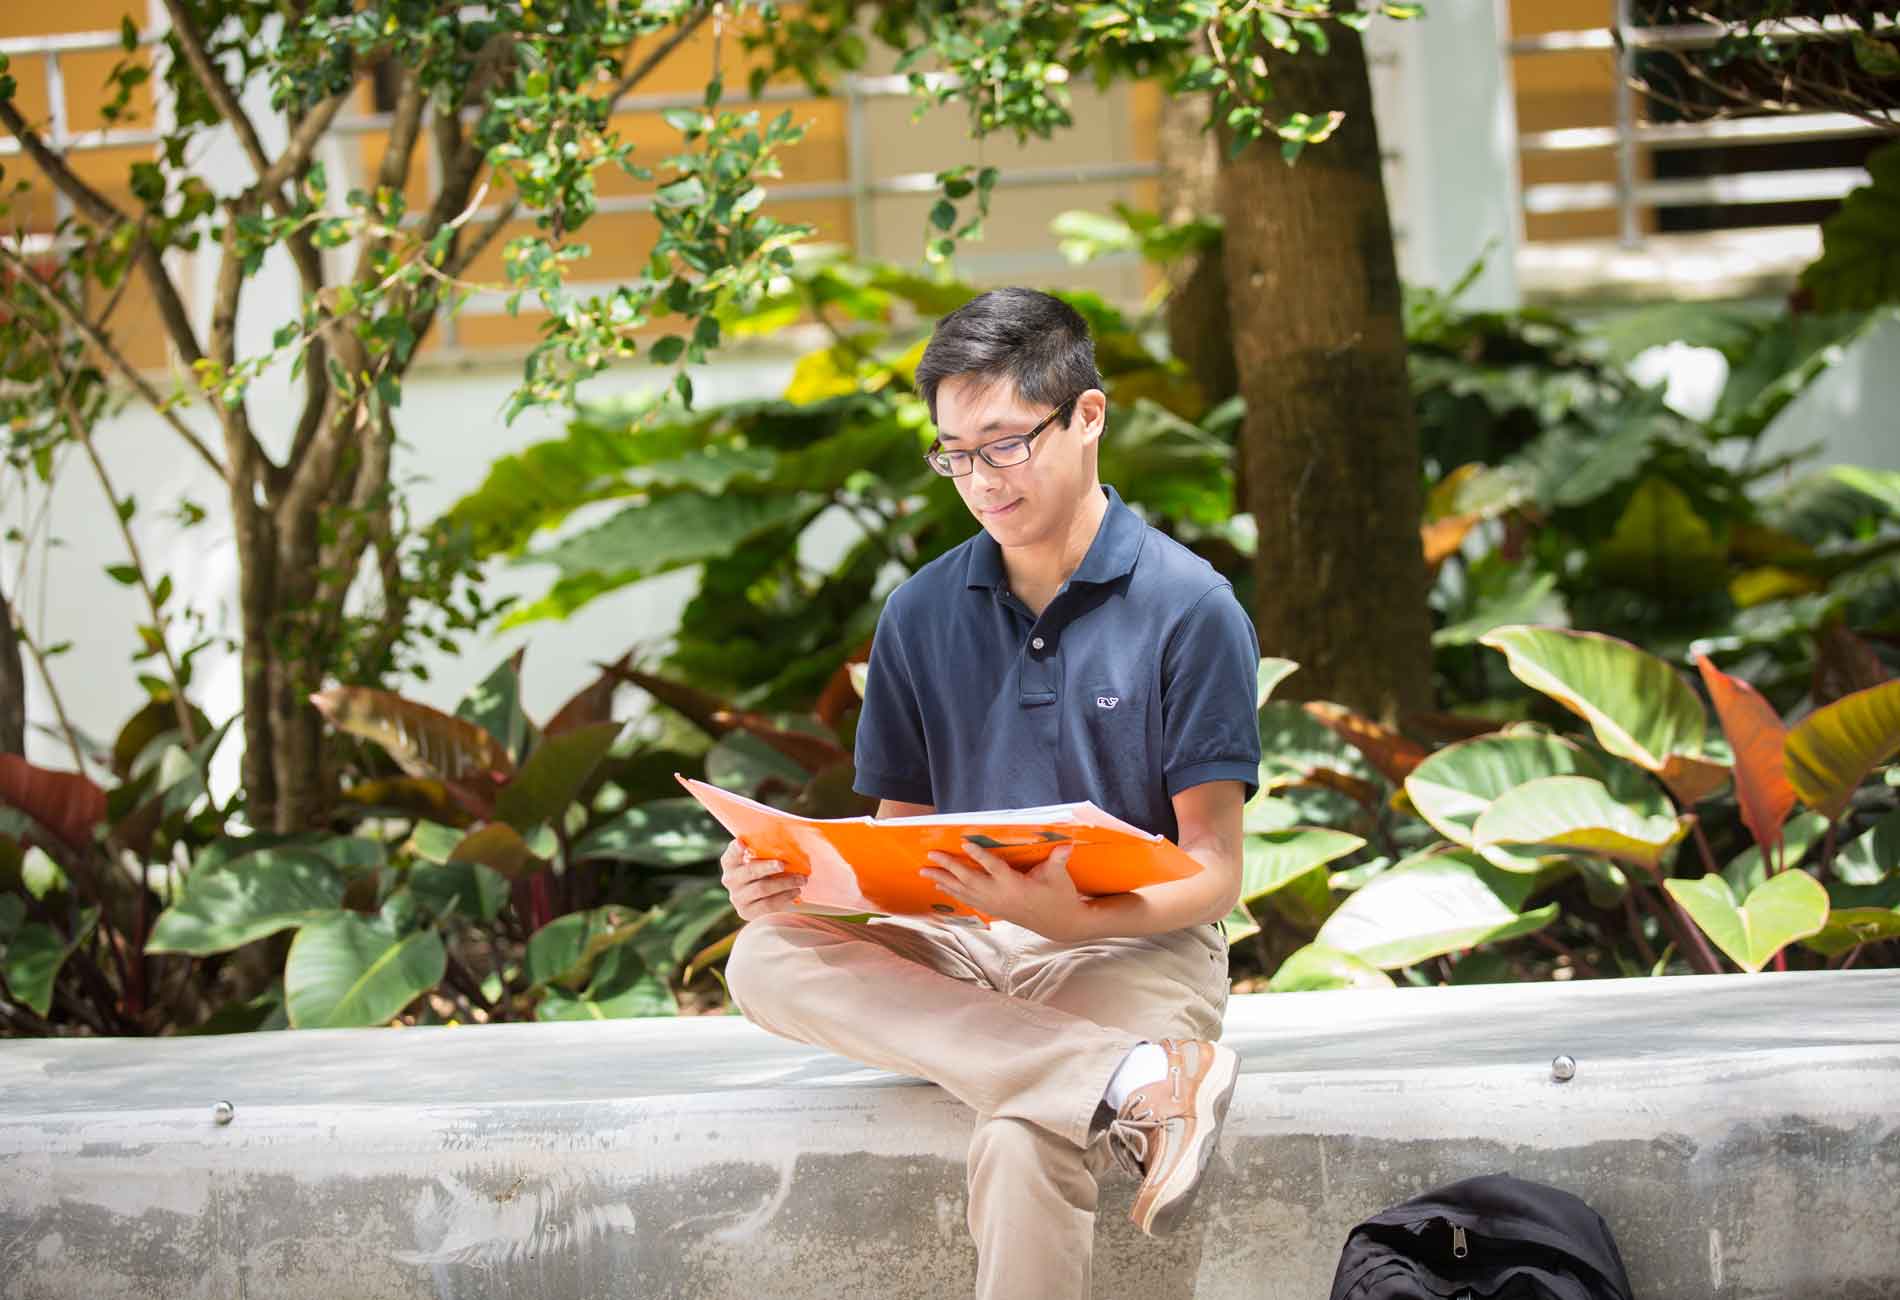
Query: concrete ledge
<point>1740,1134</point>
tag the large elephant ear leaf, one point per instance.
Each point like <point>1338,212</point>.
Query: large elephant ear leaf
<point>1430,905</point>
<point>1787,907</point>
<point>1317,967</point>
<point>423,741</point>
<point>66,804</point>
<point>1638,705</point>
<point>1831,751</point>
<point>1576,812</point>
<point>1453,787</point>
<point>1270,674</point>
<point>1758,738</point>
<point>357,971</point>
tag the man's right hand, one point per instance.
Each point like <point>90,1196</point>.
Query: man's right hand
<point>758,886</point>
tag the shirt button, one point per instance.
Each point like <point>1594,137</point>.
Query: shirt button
<point>1036,644</point>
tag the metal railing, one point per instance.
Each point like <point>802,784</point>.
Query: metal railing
<point>1629,194</point>
<point>859,185</point>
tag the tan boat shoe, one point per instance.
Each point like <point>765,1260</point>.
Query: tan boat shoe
<point>1164,1133</point>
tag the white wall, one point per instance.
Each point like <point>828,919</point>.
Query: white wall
<point>1448,128</point>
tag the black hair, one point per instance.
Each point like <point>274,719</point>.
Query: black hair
<point>1034,340</point>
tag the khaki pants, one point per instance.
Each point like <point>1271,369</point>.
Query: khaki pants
<point>1024,1031</point>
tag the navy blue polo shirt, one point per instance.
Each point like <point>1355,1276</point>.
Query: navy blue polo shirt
<point>1136,683</point>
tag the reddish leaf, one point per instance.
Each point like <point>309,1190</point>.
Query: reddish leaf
<point>416,796</point>
<point>1392,754</point>
<point>696,706</point>
<point>713,716</point>
<point>1450,726</point>
<point>812,752</point>
<point>839,694</point>
<point>499,847</point>
<point>1756,733</point>
<point>67,804</point>
<point>1359,791</point>
<point>829,794</point>
<point>423,741</point>
<point>1441,538</point>
<point>592,703</point>
<point>1843,664</point>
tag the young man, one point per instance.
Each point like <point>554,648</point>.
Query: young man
<point>1066,652</point>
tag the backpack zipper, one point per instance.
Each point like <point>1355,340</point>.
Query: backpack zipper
<point>1459,1249</point>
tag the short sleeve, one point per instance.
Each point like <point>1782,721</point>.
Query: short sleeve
<point>1210,730</point>
<point>890,757</point>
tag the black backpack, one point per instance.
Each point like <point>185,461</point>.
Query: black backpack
<point>1490,1238</point>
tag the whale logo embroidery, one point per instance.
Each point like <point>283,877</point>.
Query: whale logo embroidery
<point>1107,701</point>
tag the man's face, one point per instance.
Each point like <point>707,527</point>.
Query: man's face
<point>1035,500</point>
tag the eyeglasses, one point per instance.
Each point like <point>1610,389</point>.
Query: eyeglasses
<point>1001,454</point>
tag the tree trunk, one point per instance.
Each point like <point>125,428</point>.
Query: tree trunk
<point>1199,331</point>
<point>12,685</point>
<point>1332,461</point>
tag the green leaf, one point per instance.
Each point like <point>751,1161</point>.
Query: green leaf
<point>1240,924</point>
<point>32,955</point>
<point>1172,467</point>
<point>1877,58</point>
<point>1455,786</point>
<point>1831,751</point>
<point>435,842</point>
<point>1431,905</point>
<point>1859,266</point>
<point>1316,967</point>
<point>1787,355</point>
<point>1578,812</point>
<point>1274,860</point>
<point>1294,745</point>
<point>671,531</point>
<point>944,214</point>
<point>1265,813</point>
<point>466,889</point>
<point>666,350</point>
<point>1638,706</point>
<point>553,775</point>
<point>229,905</point>
<point>495,707</point>
<point>621,987</point>
<point>685,193</point>
<point>741,761</point>
<point>658,833</point>
<point>1498,593</point>
<point>677,926</point>
<point>1789,907</point>
<point>1661,545</point>
<point>349,971</point>
<point>1848,928</point>
<point>500,848</point>
<point>1870,857</point>
<point>1748,869</point>
<point>565,949</point>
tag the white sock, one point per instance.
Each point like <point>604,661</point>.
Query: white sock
<point>1144,1065</point>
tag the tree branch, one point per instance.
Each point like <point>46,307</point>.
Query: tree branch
<point>216,86</point>
<point>653,60</point>
<point>70,314</point>
<point>303,142</point>
<point>244,457</point>
<point>100,210</point>
<point>403,129</point>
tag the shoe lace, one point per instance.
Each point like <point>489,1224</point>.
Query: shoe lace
<point>1129,1141</point>
<point>1129,1135</point>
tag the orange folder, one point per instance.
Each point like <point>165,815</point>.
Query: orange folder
<point>869,864</point>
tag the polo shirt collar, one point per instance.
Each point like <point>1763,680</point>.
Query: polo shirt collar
<point>1110,556</point>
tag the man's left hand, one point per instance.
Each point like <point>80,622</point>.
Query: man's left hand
<point>1042,899</point>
